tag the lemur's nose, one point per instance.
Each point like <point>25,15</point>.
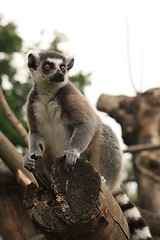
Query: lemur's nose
<point>58,76</point>
<point>59,72</point>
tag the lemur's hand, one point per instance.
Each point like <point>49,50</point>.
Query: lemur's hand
<point>70,158</point>
<point>30,160</point>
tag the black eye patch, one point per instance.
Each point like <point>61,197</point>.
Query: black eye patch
<point>47,67</point>
<point>63,67</point>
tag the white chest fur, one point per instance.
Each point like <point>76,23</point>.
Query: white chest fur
<point>51,126</point>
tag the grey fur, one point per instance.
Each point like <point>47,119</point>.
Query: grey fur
<point>62,123</point>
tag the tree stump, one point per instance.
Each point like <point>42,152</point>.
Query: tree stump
<point>139,118</point>
<point>75,205</point>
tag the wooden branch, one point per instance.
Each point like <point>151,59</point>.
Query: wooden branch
<point>141,147</point>
<point>142,64</point>
<point>23,179</point>
<point>107,103</point>
<point>139,119</point>
<point>15,222</point>
<point>12,118</point>
<point>115,104</point>
<point>7,177</point>
<point>77,206</point>
<point>12,158</point>
<point>128,55</point>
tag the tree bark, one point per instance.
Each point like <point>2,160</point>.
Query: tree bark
<point>14,220</point>
<point>141,147</point>
<point>12,158</point>
<point>139,118</point>
<point>75,205</point>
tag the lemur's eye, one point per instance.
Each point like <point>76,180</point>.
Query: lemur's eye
<point>47,66</point>
<point>63,68</point>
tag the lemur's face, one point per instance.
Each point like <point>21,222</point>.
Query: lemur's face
<point>49,66</point>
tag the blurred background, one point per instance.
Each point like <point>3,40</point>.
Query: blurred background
<point>95,34</point>
<point>116,45</point>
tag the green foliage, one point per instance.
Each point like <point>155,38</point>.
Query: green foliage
<point>14,90</point>
<point>10,42</point>
<point>130,185</point>
<point>58,39</point>
<point>80,80</point>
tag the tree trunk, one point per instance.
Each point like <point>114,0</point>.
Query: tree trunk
<point>139,118</point>
<point>14,220</point>
<point>75,205</point>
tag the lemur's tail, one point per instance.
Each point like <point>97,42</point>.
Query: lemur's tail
<point>138,228</point>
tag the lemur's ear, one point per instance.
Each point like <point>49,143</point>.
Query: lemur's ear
<point>69,63</point>
<point>33,60</point>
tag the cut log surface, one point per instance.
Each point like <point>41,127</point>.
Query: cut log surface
<point>77,206</point>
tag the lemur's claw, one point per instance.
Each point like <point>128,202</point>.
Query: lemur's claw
<point>36,155</point>
<point>70,159</point>
<point>30,160</point>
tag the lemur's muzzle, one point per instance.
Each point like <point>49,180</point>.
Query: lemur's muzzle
<point>58,76</point>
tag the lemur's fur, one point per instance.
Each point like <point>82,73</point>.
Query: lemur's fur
<point>62,123</point>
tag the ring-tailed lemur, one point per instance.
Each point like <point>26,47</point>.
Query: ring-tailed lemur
<point>62,123</point>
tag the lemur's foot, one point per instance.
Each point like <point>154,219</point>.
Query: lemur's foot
<point>30,160</point>
<point>70,159</point>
